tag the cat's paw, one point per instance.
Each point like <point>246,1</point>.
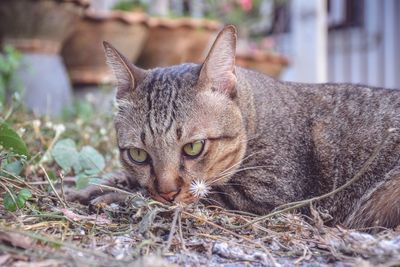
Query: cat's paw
<point>107,191</point>
<point>83,196</point>
<point>109,198</point>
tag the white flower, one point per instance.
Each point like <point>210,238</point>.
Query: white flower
<point>199,188</point>
<point>21,131</point>
<point>59,128</point>
<point>49,124</point>
<point>36,124</point>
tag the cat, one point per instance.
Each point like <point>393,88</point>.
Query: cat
<point>255,143</point>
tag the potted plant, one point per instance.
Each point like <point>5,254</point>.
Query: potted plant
<point>83,52</point>
<point>267,62</point>
<point>38,28</point>
<point>176,40</point>
<point>254,20</point>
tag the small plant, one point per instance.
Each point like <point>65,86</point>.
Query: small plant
<point>12,201</point>
<point>11,141</point>
<point>85,164</point>
<point>130,5</point>
<point>12,158</point>
<point>9,62</point>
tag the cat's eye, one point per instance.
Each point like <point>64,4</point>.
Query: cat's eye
<point>194,149</point>
<point>138,155</point>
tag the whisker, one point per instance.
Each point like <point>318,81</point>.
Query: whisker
<point>190,174</point>
<point>249,139</point>
<point>240,162</point>
<point>248,168</point>
<point>219,178</point>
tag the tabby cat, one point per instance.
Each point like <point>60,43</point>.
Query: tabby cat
<point>253,143</point>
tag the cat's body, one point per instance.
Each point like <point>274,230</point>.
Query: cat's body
<point>306,140</point>
<point>257,142</point>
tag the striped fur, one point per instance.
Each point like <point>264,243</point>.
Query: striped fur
<point>267,142</point>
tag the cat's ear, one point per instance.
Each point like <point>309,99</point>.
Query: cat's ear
<point>128,76</point>
<point>218,70</point>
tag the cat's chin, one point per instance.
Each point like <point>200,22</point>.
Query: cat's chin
<point>185,198</point>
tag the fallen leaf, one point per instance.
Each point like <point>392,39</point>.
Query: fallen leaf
<point>17,240</point>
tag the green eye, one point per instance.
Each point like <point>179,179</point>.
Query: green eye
<point>138,155</point>
<point>194,149</point>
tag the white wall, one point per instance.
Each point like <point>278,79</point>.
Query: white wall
<point>368,55</point>
<point>308,41</point>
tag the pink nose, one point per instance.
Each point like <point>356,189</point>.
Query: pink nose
<point>169,196</point>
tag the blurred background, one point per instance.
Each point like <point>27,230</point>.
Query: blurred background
<point>52,49</point>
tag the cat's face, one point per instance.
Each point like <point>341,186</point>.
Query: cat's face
<point>172,133</point>
<point>179,127</point>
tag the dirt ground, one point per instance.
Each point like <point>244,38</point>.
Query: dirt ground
<point>146,233</point>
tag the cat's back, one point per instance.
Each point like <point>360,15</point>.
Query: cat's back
<point>332,99</point>
<point>315,137</point>
<point>346,108</point>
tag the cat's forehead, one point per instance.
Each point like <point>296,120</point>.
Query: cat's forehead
<point>179,77</point>
<point>163,102</point>
<point>166,90</point>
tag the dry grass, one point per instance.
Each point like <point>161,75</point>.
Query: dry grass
<point>53,232</point>
<point>120,235</point>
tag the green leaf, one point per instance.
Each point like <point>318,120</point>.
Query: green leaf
<point>20,202</point>
<point>10,140</point>
<point>95,180</point>
<point>52,175</point>
<point>66,155</point>
<point>25,194</point>
<point>9,203</point>
<point>14,167</point>
<point>82,181</point>
<point>91,160</point>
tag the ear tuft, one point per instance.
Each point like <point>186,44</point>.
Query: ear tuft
<point>218,70</point>
<point>127,75</point>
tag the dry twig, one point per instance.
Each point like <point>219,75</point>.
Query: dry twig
<point>173,229</point>
<point>52,187</point>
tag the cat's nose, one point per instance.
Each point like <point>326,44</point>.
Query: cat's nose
<point>169,196</point>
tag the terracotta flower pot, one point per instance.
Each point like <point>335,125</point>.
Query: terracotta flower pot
<point>38,28</point>
<point>83,52</point>
<point>38,25</point>
<point>174,41</point>
<point>269,63</point>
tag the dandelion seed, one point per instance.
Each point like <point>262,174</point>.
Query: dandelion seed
<point>199,188</point>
